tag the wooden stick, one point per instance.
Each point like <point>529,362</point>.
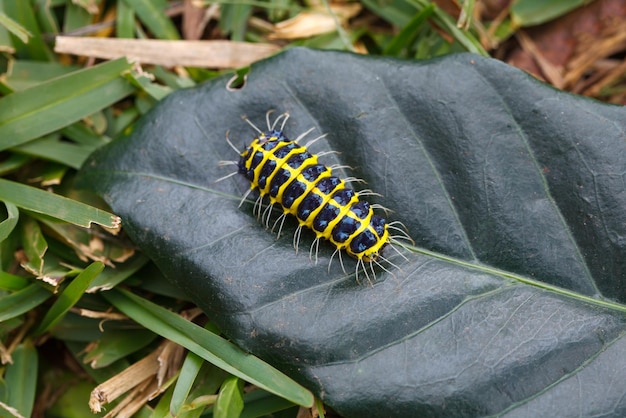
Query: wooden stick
<point>209,54</point>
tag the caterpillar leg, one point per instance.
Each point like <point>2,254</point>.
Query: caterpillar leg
<point>393,247</point>
<point>337,251</point>
<point>386,260</point>
<point>258,207</point>
<point>296,238</point>
<point>361,265</point>
<point>280,219</point>
<point>267,214</point>
<point>315,244</point>
<point>244,197</point>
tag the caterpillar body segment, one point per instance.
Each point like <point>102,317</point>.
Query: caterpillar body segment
<point>289,176</point>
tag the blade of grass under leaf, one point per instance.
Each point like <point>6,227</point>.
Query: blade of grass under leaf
<point>52,148</point>
<point>59,102</point>
<point>21,378</point>
<point>8,225</point>
<point>22,301</point>
<point>117,344</point>
<point>259,403</point>
<point>110,278</point>
<point>55,206</point>
<point>12,282</point>
<point>209,346</point>
<point>69,296</point>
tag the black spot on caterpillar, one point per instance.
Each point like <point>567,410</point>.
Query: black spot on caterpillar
<point>290,177</point>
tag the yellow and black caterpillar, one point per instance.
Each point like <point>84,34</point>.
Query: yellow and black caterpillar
<point>290,176</point>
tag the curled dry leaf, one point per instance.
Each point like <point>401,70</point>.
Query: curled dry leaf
<point>314,22</point>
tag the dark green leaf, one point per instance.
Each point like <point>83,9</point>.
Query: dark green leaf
<point>513,191</point>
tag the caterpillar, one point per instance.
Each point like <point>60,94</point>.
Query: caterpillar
<point>289,176</point>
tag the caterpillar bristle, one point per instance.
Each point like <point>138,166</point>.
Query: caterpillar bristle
<point>305,133</point>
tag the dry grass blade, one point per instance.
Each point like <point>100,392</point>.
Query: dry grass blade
<point>144,379</point>
<point>209,54</point>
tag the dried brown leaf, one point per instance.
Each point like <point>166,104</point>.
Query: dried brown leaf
<point>314,22</point>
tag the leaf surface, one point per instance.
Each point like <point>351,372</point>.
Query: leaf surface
<point>512,301</point>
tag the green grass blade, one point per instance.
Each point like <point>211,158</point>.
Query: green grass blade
<point>154,17</point>
<point>396,12</point>
<point>59,102</point>
<point>229,402</point>
<point>14,27</point>
<point>59,207</point>
<point>22,301</point>
<point>408,33</point>
<point>189,371</point>
<point>69,296</point>
<point>83,135</point>
<point>21,378</point>
<point>24,74</point>
<point>125,20</point>
<point>117,344</point>
<point>234,19</point>
<point>110,278</point>
<point>48,20</point>
<point>11,282</point>
<point>259,403</point>
<point>154,90</point>
<point>466,39</point>
<point>35,48</point>
<point>34,245</point>
<point>76,17</point>
<point>209,346</point>
<point>535,12</point>
<point>8,225</point>
<point>52,148</point>
<point>12,163</point>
